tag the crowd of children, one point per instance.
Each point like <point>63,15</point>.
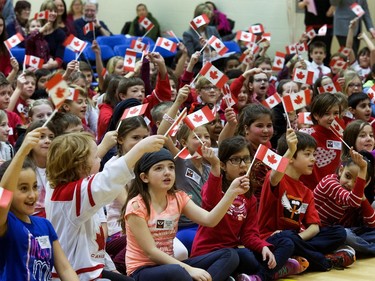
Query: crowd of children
<point>87,192</point>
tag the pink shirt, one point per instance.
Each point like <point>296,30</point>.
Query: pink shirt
<point>163,228</point>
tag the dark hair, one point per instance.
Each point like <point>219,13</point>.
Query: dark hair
<point>249,114</point>
<point>3,37</point>
<point>27,164</point>
<point>317,84</point>
<point>365,51</point>
<point>304,141</point>
<point>62,121</point>
<point>126,83</point>
<point>65,14</point>
<point>3,80</point>
<point>355,99</point>
<point>128,125</point>
<point>316,45</point>
<point>110,97</point>
<point>350,135</point>
<point>261,60</point>
<point>323,103</point>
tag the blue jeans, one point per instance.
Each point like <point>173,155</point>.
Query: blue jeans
<point>219,264</point>
<point>252,263</point>
<point>362,239</point>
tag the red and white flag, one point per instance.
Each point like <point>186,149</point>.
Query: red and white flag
<point>34,62</point>
<point>338,126</point>
<point>304,118</point>
<point>298,100</point>
<point>138,46</point>
<point>58,89</point>
<point>145,23</point>
<point>214,75</point>
<point>185,154</point>
<point>5,197</point>
<point>322,31</point>
<point>245,36</point>
<point>199,21</point>
<point>74,94</point>
<point>266,36</point>
<point>301,47</point>
<point>291,49</point>
<point>134,111</point>
<point>271,159</point>
<point>75,44</point>
<point>278,62</point>
<point>371,94</point>
<point>345,51</point>
<point>357,9</point>
<point>43,15</point>
<point>256,28</point>
<point>310,32</point>
<point>199,118</point>
<point>303,76</point>
<point>104,72</point>
<point>170,33</point>
<point>272,101</point>
<point>330,88</point>
<point>338,63</point>
<point>166,44</point>
<point>229,99</point>
<point>129,60</point>
<point>90,26</point>
<point>219,46</point>
<point>253,47</point>
<point>14,40</point>
<point>177,123</point>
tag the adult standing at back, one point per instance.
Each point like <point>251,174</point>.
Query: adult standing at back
<point>90,10</point>
<point>18,25</point>
<point>6,9</point>
<point>344,15</point>
<point>137,30</point>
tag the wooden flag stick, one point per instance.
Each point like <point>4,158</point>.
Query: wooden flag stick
<point>252,162</point>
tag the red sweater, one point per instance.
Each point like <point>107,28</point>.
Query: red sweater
<point>327,160</point>
<point>105,114</point>
<point>238,227</point>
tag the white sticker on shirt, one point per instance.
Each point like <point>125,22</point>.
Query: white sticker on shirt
<point>303,208</point>
<point>164,224</point>
<point>192,175</point>
<point>10,131</point>
<point>43,242</point>
<point>331,144</point>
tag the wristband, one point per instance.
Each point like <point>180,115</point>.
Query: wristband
<point>168,118</point>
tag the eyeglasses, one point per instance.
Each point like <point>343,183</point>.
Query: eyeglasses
<point>261,80</point>
<point>208,88</point>
<point>357,85</point>
<point>237,160</point>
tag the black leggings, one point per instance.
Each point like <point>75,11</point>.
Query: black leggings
<point>114,276</point>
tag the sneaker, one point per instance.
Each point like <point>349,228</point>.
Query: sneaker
<point>341,258</point>
<point>292,267</point>
<point>230,278</point>
<point>245,277</point>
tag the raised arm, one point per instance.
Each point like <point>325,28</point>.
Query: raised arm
<point>349,39</point>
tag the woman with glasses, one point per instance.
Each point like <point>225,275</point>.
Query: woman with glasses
<point>352,83</point>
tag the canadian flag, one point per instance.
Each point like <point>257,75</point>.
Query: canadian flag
<point>199,118</point>
<point>310,32</point>
<point>345,51</point>
<point>371,94</point>
<point>256,28</point>
<point>185,154</point>
<point>298,100</point>
<point>214,75</point>
<point>229,99</point>
<point>57,89</point>
<point>88,27</point>
<point>272,101</point>
<point>253,47</point>
<point>73,94</point>
<point>303,76</point>
<point>199,21</point>
<point>338,63</point>
<point>171,33</point>
<point>129,60</point>
<point>330,88</point>
<point>166,44</point>
<point>145,23</point>
<point>322,31</point>
<point>138,46</point>
<point>104,72</point>
<point>75,44</point>
<point>5,197</point>
<point>177,123</point>
<point>357,9</point>
<point>34,62</point>
<point>266,36</point>
<point>271,159</point>
<point>291,49</point>
<point>245,36</point>
<point>338,126</point>
<point>278,62</point>
<point>304,118</point>
<point>301,47</point>
<point>14,40</point>
<point>43,15</point>
<point>219,46</point>
<point>134,111</point>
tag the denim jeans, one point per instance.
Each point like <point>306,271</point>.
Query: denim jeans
<point>361,239</point>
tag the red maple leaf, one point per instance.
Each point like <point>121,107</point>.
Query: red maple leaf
<point>271,159</point>
<point>329,89</point>
<point>76,43</point>
<point>198,21</point>
<point>292,48</point>
<point>60,92</point>
<point>245,36</point>
<point>308,117</point>
<point>145,22</point>
<point>167,44</point>
<point>100,239</point>
<point>197,118</point>
<point>279,61</point>
<point>337,127</point>
<point>301,48</point>
<point>213,74</point>
<point>133,111</point>
<point>139,46</point>
<point>300,75</point>
<point>298,100</point>
<point>14,40</point>
<point>34,61</point>
<point>218,45</point>
<point>129,61</point>
<point>271,101</point>
<point>339,64</point>
<point>371,96</point>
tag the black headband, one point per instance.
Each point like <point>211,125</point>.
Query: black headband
<point>150,159</point>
